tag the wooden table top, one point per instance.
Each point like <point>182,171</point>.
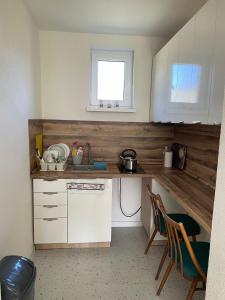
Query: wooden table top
<point>194,196</point>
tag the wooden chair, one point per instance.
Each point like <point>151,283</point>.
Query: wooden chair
<point>191,225</point>
<point>190,258</point>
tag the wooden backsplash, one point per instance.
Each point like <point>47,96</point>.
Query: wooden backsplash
<point>35,127</point>
<point>108,139</point>
<point>202,143</point>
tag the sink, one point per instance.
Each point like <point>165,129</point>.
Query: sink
<point>92,167</point>
<point>84,167</point>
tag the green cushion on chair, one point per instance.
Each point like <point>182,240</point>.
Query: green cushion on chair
<point>201,250</point>
<point>190,225</point>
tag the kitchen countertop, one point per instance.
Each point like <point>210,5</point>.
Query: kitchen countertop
<point>194,196</point>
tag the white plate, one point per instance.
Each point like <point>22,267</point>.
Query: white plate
<point>67,149</point>
<point>47,153</point>
<point>60,149</point>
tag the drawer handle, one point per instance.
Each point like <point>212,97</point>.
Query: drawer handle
<point>50,206</point>
<point>50,219</point>
<point>50,193</point>
<point>50,179</point>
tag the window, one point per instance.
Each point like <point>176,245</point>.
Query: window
<point>111,80</point>
<point>185,83</point>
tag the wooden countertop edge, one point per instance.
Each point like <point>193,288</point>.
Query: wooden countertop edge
<point>162,175</point>
<point>185,203</point>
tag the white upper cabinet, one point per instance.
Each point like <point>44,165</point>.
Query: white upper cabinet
<point>159,91</point>
<point>218,74</point>
<point>191,92</point>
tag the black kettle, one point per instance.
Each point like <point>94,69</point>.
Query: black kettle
<point>129,161</point>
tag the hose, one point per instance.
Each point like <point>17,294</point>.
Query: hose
<point>131,215</point>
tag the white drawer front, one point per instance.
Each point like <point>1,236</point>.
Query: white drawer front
<point>48,231</point>
<point>50,198</point>
<point>50,211</point>
<point>41,185</point>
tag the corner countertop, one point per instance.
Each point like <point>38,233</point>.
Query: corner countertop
<point>194,196</point>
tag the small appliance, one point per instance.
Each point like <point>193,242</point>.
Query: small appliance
<point>129,161</point>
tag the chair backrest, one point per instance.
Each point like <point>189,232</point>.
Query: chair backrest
<point>157,215</point>
<point>176,235</point>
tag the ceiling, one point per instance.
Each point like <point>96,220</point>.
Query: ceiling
<point>135,17</point>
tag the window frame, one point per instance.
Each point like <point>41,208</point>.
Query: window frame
<point>126,56</point>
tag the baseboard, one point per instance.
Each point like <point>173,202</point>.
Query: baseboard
<point>159,243</point>
<point>127,224</point>
<point>72,246</point>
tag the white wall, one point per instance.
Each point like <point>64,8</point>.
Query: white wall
<point>19,100</point>
<point>216,271</point>
<point>66,67</point>
<point>131,201</point>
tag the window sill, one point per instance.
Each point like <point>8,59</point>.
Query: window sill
<point>113,109</point>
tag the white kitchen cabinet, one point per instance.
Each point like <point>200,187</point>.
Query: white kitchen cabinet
<point>195,73</point>
<point>218,75</point>
<point>90,213</point>
<point>50,211</point>
<point>159,91</point>
<point>72,211</point>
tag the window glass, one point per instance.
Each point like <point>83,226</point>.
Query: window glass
<point>110,81</point>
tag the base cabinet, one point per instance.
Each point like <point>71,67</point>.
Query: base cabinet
<point>50,211</point>
<point>146,206</point>
<point>72,218</point>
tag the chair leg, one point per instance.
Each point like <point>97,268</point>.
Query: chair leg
<point>203,285</point>
<point>194,238</point>
<point>168,270</point>
<point>165,252</point>
<point>192,289</point>
<point>151,240</point>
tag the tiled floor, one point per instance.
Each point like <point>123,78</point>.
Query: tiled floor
<point>120,272</point>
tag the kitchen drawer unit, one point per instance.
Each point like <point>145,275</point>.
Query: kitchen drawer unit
<point>50,198</point>
<point>50,230</point>
<point>43,185</point>
<point>50,211</point>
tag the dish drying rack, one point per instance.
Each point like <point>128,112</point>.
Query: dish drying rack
<point>53,167</point>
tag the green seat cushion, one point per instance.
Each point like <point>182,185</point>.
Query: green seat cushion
<point>190,225</point>
<point>201,250</point>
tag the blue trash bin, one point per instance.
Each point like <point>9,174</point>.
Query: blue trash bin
<point>17,278</point>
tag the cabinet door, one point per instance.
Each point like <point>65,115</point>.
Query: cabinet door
<point>203,56</point>
<point>218,82</point>
<point>186,92</point>
<point>146,206</point>
<point>159,91</point>
<point>180,72</point>
<point>89,216</point>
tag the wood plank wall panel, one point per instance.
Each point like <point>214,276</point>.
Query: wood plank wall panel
<point>108,139</point>
<point>35,127</point>
<point>202,150</point>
